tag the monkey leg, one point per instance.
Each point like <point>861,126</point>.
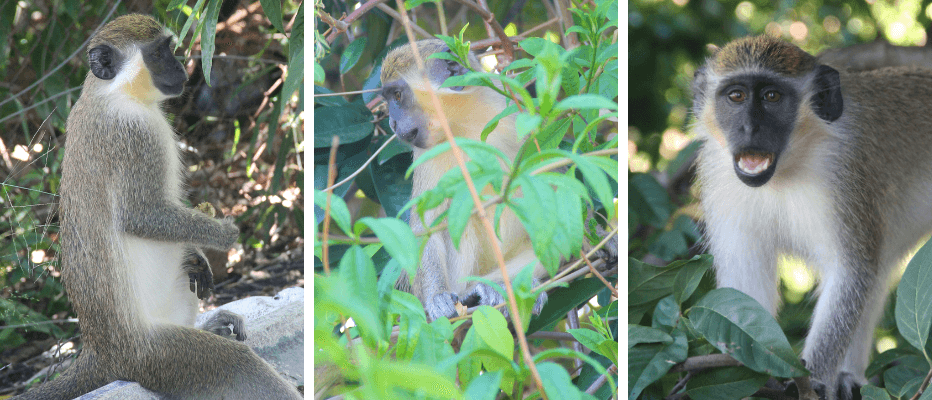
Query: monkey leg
<point>840,323</point>
<point>186,363</point>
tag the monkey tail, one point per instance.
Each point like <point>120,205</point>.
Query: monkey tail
<point>80,378</point>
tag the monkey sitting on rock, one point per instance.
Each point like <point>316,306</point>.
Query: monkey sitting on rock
<point>125,234</point>
<point>831,166</point>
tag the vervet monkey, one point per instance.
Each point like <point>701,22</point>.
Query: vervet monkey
<point>125,232</point>
<point>440,281</point>
<point>832,166</point>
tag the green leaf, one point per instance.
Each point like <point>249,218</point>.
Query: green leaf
<point>485,386</point>
<point>871,392</point>
<point>649,200</point>
<point>338,210</point>
<point>647,363</point>
<point>397,238</point>
<point>666,314</point>
<point>638,334</point>
<point>725,383</point>
<point>913,302</point>
<point>527,123</point>
<point>295,53</point>
<point>351,55</point>
<point>902,381</point>
<point>597,343</point>
<point>557,382</point>
<point>273,10</point>
<point>687,280</point>
<point>648,283</point>
<point>417,378</point>
<point>586,102</point>
<point>492,328</point>
<point>351,124</point>
<point>740,327</point>
<point>208,35</point>
<point>561,300</point>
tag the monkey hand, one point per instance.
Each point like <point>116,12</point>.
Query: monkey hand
<point>225,323</point>
<point>441,305</point>
<point>484,295</point>
<point>199,273</point>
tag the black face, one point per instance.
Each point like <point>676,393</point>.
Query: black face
<point>758,113</point>
<point>168,74</point>
<point>404,115</point>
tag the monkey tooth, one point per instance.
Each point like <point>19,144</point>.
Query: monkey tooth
<point>754,164</point>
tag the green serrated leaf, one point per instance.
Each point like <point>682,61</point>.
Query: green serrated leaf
<point>397,238</point>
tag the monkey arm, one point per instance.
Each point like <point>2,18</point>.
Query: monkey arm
<point>431,283</point>
<point>174,223</point>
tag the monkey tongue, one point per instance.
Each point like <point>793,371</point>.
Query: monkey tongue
<point>753,163</point>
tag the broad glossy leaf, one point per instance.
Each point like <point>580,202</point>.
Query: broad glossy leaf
<point>740,327</point>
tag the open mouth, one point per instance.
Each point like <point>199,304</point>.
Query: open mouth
<point>755,168</point>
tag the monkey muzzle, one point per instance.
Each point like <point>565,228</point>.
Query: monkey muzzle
<point>755,168</point>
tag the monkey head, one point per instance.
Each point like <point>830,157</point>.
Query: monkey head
<point>754,92</point>
<point>411,115</point>
<point>133,53</point>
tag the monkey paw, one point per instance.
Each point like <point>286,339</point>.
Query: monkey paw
<point>201,279</point>
<point>225,323</point>
<point>849,387</point>
<point>441,305</point>
<point>793,391</point>
<point>485,295</point>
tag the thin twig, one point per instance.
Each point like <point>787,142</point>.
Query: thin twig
<point>594,272</point>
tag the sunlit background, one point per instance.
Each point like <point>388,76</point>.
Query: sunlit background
<point>668,40</point>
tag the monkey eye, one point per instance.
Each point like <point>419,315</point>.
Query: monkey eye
<point>772,96</point>
<point>737,96</point>
<point>398,96</point>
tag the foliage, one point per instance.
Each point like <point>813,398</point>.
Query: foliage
<point>390,350</point>
<point>674,313</point>
<point>43,60</point>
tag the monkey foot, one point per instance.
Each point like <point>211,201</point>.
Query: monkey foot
<point>225,323</point>
<point>441,305</point>
<point>485,295</point>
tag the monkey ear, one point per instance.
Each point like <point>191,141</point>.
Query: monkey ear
<point>827,102</point>
<point>102,62</point>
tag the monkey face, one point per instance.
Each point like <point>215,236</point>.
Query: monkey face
<point>758,113</point>
<point>168,75</point>
<point>406,118</point>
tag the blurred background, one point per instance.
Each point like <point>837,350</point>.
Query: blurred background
<point>668,40</point>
